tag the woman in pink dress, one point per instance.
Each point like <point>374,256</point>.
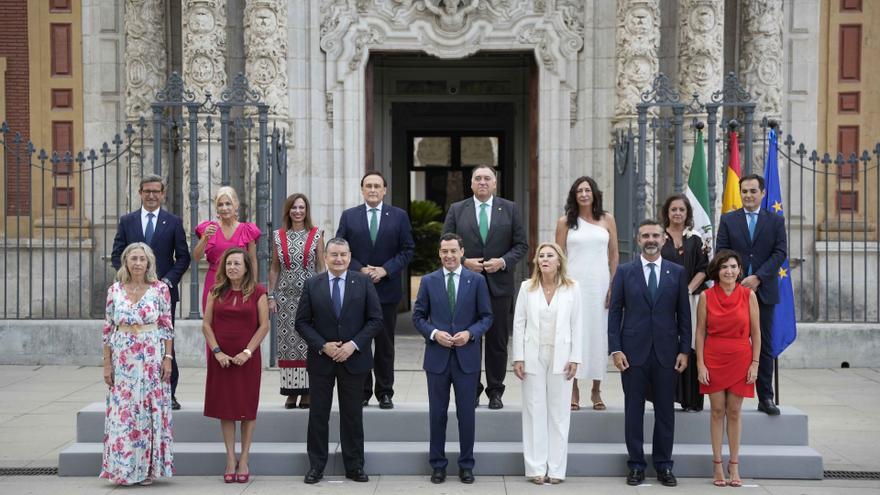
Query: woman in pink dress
<point>215,237</point>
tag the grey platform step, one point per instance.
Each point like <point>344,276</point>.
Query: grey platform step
<point>493,458</point>
<point>409,423</point>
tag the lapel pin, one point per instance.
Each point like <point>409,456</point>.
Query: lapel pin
<point>499,208</point>
<point>667,271</point>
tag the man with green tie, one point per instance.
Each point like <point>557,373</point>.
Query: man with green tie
<point>494,242</point>
<point>380,236</point>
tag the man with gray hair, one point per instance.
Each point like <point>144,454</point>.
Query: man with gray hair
<point>163,232</point>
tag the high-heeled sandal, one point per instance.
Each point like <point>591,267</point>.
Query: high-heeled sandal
<point>538,480</point>
<point>722,482</point>
<point>230,477</point>
<point>243,478</point>
<point>734,482</point>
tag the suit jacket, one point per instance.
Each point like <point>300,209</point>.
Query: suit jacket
<point>473,312</point>
<point>506,239</point>
<point>766,253</point>
<point>393,249</point>
<point>359,321</point>
<point>568,343</point>
<point>636,322</point>
<point>168,244</point>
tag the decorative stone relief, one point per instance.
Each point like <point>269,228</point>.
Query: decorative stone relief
<point>328,107</point>
<point>265,50</point>
<point>701,47</point>
<point>204,46</point>
<point>145,58</point>
<point>453,15</point>
<point>760,65</point>
<point>638,40</point>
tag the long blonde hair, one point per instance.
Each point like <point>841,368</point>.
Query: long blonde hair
<point>222,284</point>
<point>561,274</point>
<point>124,276</point>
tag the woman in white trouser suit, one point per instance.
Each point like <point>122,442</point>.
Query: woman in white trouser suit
<point>547,336</point>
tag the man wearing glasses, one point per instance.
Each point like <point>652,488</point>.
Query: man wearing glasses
<point>163,232</point>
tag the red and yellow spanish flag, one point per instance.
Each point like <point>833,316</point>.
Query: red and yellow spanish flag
<point>731,199</point>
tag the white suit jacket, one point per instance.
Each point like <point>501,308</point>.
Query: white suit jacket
<point>568,346</point>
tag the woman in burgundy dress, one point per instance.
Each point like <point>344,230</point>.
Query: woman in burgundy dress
<point>728,344</point>
<point>236,321</point>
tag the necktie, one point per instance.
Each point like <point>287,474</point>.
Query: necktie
<point>484,222</point>
<point>652,280</point>
<point>336,298</point>
<point>753,220</point>
<point>374,224</point>
<point>148,233</point>
<point>450,291</point>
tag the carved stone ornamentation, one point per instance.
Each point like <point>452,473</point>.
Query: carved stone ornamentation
<point>265,50</point>
<point>145,58</point>
<point>204,46</point>
<point>701,47</point>
<point>760,65</point>
<point>638,41</point>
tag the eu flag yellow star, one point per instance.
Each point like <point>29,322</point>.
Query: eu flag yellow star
<point>783,273</point>
<point>777,206</point>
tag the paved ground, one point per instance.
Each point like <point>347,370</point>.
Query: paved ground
<point>38,407</point>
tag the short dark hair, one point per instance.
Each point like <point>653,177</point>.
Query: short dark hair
<point>664,212</point>
<point>487,167</point>
<point>374,172</point>
<point>712,272</point>
<point>449,236</point>
<point>649,221</point>
<point>753,177</point>
<point>149,179</point>
<point>339,241</point>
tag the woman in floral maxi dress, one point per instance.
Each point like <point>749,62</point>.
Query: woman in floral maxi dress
<point>137,367</point>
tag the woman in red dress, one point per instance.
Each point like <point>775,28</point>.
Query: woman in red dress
<point>236,321</point>
<point>728,344</point>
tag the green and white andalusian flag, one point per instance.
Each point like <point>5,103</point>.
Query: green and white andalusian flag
<point>697,193</point>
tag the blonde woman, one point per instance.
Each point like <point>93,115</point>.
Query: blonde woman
<point>137,340</point>
<point>216,236</point>
<point>547,348</point>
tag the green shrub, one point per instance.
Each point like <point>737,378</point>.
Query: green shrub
<point>427,227</point>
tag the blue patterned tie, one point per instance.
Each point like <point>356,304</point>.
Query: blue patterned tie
<point>148,233</point>
<point>652,281</point>
<point>336,298</point>
<point>752,222</point>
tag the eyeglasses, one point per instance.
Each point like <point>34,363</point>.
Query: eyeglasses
<point>154,192</point>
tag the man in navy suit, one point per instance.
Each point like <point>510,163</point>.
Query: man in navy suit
<point>338,316</point>
<point>495,241</point>
<point>649,338</point>
<point>452,311</point>
<point>758,236</point>
<point>380,236</point>
<point>163,232</point>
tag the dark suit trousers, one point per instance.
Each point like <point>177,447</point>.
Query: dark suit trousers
<point>636,382</point>
<point>438,404</point>
<point>383,357</point>
<point>764,385</point>
<point>496,347</point>
<point>351,422</point>
<point>175,373</point>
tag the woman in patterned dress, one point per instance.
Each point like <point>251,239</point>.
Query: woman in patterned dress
<point>137,367</point>
<point>298,254</point>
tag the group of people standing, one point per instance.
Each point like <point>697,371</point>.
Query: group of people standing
<point>671,337</point>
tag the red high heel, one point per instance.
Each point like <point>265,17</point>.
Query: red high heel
<point>719,483</point>
<point>243,478</point>
<point>230,477</point>
<point>734,482</point>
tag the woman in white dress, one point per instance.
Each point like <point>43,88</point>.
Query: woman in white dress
<point>588,235</point>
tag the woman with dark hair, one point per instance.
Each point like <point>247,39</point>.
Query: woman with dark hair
<point>297,255</point>
<point>686,248</point>
<point>236,322</point>
<point>728,344</point>
<point>588,234</point>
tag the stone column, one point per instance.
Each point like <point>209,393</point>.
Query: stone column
<point>701,69</point>
<point>204,72</point>
<point>638,42</point>
<point>760,64</point>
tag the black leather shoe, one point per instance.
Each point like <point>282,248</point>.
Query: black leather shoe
<point>438,476</point>
<point>313,476</point>
<point>385,402</point>
<point>357,475</point>
<point>767,406</point>
<point>466,475</point>
<point>495,402</point>
<point>666,478</point>
<point>635,477</point>
<point>175,406</point>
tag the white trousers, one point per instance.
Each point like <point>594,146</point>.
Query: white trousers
<point>546,414</point>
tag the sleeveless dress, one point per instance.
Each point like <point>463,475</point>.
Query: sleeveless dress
<point>234,393</point>
<point>218,244</point>
<point>292,348</point>
<point>587,248</point>
<point>727,352</point>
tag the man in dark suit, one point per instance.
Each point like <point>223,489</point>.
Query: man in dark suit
<point>649,338</point>
<point>380,236</point>
<point>495,241</point>
<point>452,311</point>
<point>338,316</point>
<point>163,232</point>
<point>758,236</point>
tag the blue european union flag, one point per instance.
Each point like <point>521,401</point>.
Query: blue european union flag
<point>784,322</point>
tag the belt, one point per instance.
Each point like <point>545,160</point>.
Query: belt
<point>136,329</point>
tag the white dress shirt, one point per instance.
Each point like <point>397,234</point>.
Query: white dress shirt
<point>647,270</point>
<point>488,202</point>
<point>144,219</point>
<point>378,214</point>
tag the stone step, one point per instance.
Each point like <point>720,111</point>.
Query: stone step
<point>408,422</point>
<point>493,458</point>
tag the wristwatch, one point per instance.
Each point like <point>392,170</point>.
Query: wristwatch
<point>216,350</point>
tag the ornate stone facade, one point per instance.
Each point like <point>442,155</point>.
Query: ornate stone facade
<point>265,51</point>
<point>204,46</point>
<point>145,58</point>
<point>700,47</point>
<point>638,41</point>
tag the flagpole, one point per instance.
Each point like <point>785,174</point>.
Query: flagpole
<point>773,125</point>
